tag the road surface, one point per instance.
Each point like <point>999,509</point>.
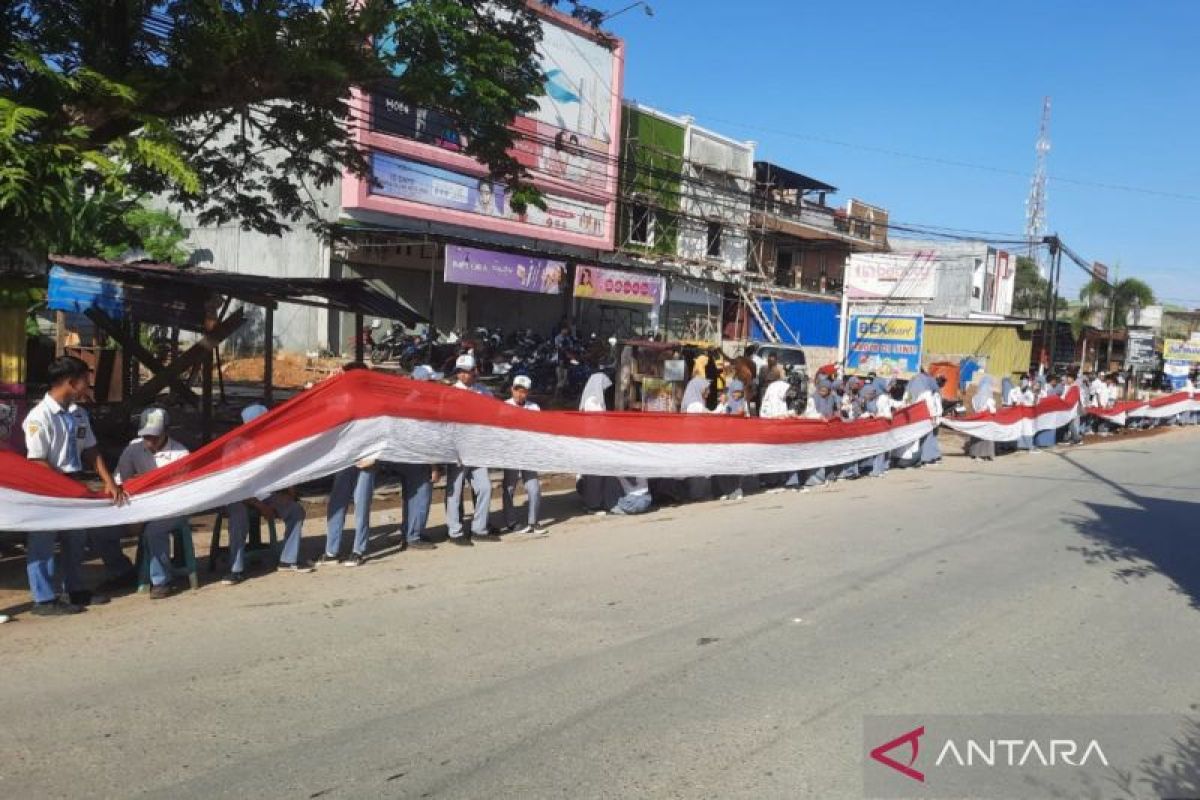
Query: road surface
<point>708,651</point>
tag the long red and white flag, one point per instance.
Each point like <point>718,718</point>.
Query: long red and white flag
<point>363,415</point>
<point>1013,422</point>
<point>1166,406</point>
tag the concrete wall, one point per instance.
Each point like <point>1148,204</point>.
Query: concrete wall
<point>971,277</point>
<point>299,253</point>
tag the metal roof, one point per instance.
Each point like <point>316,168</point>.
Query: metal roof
<point>779,178</point>
<point>351,295</point>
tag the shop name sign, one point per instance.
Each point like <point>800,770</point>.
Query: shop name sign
<point>1180,350</point>
<point>903,329</point>
<point>595,283</point>
<point>520,273</point>
<point>875,276</point>
<point>888,345</point>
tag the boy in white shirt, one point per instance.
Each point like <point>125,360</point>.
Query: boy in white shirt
<point>533,486</point>
<point>154,448</point>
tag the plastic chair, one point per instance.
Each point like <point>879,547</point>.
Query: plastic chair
<point>256,549</point>
<point>183,558</point>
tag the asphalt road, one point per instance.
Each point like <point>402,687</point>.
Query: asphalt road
<point>716,651</point>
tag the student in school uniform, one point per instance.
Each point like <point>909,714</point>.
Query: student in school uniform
<point>354,483</point>
<point>526,477</point>
<point>282,505</point>
<point>58,434</point>
<point>458,475</point>
<point>154,448</point>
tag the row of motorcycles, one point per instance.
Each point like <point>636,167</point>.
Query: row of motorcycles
<point>558,365</point>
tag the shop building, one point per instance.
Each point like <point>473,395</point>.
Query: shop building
<point>428,225</point>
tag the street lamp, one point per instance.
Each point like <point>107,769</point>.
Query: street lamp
<point>645,6</point>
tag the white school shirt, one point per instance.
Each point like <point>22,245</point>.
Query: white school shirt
<point>529,404</point>
<point>885,405</point>
<point>136,459</point>
<point>1099,393</point>
<point>58,435</point>
<point>476,388</point>
<point>1016,396</point>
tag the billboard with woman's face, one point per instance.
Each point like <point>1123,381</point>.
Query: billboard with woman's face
<point>568,145</point>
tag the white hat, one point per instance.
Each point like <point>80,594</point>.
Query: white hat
<point>424,372</point>
<point>153,422</point>
<point>522,382</point>
<point>464,363</point>
<point>253,412</point>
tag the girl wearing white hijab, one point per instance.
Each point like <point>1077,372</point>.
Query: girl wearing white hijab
<point>774,400</point>
<point>591,487</point>
<point>694,396</point>
<point>983,402</point>
<point>592,398</point>
<point>694,401</point>
<point>774,406</point>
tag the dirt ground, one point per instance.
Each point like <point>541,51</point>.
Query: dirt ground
<point>292,370</point>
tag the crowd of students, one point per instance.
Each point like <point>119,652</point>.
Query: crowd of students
<point>59,435</point>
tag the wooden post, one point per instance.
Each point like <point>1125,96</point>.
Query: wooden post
<point>60,333</point>
<point>269,356</point>
<point>359,344</point>
<point>206,396</point>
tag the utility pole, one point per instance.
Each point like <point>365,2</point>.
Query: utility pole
<point>1048,332</point>
<point>1112,311</point>
<point>1055,277</point>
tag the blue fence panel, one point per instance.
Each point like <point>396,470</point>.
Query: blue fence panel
<point>812,323</point>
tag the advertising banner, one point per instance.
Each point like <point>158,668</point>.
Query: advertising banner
<point>520,273</point>
<point>1181,350</point>
<point>1139,349</point>
<point>557,154</point>
<point>876,276</point>
<point>390,114</point>
<point>595,283</point>
<point>578,89</point>
<point>404,179</point>
<point>888,345</point>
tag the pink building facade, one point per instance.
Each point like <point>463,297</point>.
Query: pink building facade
<point>569,146</point>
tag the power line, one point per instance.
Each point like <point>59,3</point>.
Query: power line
<point>956,163</point>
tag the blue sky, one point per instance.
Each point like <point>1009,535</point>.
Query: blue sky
<point>961,81</point>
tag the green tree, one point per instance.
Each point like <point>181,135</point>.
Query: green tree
<point>1102,301</point>
<point>1030,291</point>
<point>238,111</point>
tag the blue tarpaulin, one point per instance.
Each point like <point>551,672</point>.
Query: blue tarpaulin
<point>812,323</point>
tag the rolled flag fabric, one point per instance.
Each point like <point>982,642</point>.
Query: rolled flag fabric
<point>1165,406</point>
<point>1119,413</point>
<point>364,415</point>
<point>1011,423</point>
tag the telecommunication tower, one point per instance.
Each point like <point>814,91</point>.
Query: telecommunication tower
<point>1035,206</point>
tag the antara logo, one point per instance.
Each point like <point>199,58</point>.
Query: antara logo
<point>987,753</point>
<point>1020,752</point>
<point>913,740</point>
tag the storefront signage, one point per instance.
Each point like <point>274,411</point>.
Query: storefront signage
<point>520,273</point>
<point>404,179</point>
<point>1180,350</point>
<point>595,283</point>
<point>1139,349</point>
<point>888,345</point>
<point>878,276</point>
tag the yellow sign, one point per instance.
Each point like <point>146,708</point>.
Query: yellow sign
<point>887,328</point>
<point>1179,350</point>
